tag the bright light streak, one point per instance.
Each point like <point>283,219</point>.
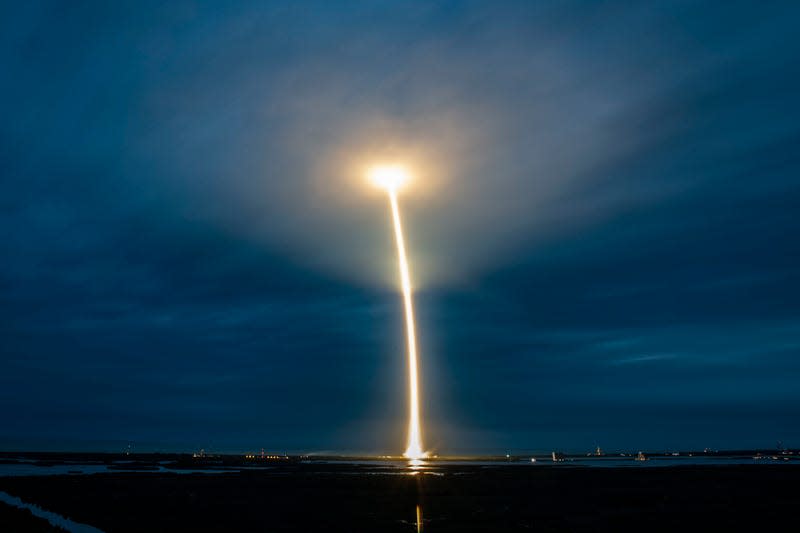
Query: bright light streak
<point>414,446</point>
<point>391,178</point>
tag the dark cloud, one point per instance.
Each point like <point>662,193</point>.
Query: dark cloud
<point>602,228</point>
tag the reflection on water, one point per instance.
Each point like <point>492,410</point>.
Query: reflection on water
<point>35,469</point>
<point>382,467</point>
<point>416,467</point>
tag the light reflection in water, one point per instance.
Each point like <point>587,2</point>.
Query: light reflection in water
<point>416,464</point>
<point>417,467</point>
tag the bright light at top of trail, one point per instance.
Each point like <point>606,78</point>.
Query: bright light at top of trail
<point>389,177</point>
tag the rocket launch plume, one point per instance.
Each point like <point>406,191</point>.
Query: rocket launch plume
<point>391,178</point>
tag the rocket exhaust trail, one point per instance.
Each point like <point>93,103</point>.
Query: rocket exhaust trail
<point>414,448</point>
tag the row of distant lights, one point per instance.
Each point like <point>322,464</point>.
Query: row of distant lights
<point>255,456</point>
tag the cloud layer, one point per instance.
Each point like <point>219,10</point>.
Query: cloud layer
<point>602,226</point>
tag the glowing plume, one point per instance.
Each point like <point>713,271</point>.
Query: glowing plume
<point>391,178</point>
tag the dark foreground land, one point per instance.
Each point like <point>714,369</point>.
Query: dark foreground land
<point>13,519</point>
<point>330,497</point>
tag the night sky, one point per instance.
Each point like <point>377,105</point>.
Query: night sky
<point>603,227</point>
